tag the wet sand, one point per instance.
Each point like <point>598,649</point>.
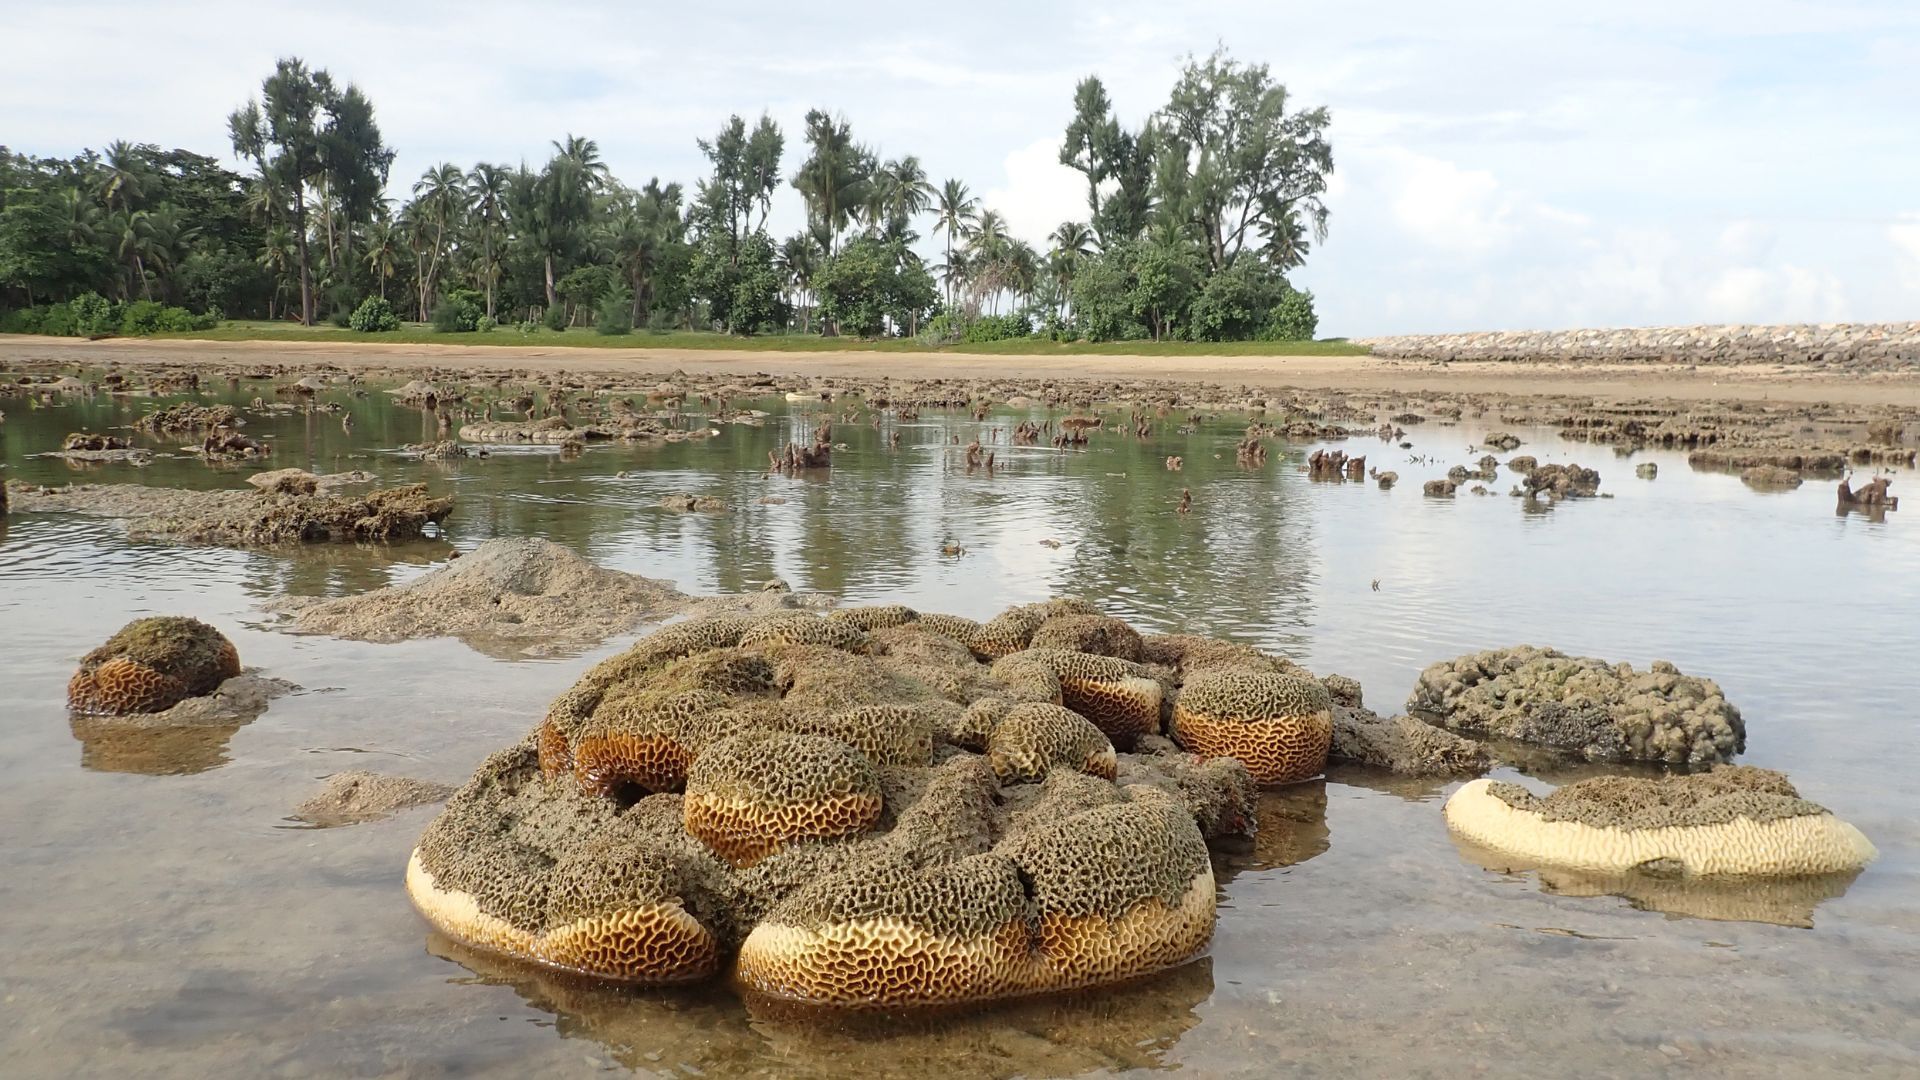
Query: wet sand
<point>1746,382</point>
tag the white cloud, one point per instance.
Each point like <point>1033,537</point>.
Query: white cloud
<point>1038,193</point>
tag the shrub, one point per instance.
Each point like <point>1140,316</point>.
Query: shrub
<point>94,315</point>
<point>555,318</point>
<point>998,328</point>
<point>1292,319</point>
<point>486,324</point>
<point>59,321</point>
<point>141,317</point>
<point>23,321</point>
<point>529,326</point>
<point>457,313</point>
<point>615,315</point>
<point>374,315</point>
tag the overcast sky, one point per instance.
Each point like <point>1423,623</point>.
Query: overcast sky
<point>1499,165</point>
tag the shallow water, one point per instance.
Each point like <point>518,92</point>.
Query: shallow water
<point>166,918</point>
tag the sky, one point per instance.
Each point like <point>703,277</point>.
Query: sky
<point>1499,165</point>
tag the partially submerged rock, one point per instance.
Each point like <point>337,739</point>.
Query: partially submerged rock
<point>356,796</point>
<point>248,518</point>
<point>507,597</point>
<point>1581,706</point>
<point>1563,481</point>
<point>1734,821</point>
<point>1771,478</point>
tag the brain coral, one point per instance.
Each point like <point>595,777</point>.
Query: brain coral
<point>1278,726</point>
<point>864,810</point>
<point>1582,706</point>
<point>1731,822</point>
<point>152,665</point>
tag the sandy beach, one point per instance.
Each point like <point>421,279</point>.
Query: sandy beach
<point>1753,382</point>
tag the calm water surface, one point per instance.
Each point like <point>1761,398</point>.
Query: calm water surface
<point>164,917</point>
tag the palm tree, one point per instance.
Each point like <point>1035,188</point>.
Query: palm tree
<point>123,176</point>
<point>169,235</point>
<point>442,193</point>
<point>584,154</point>
<point>383,252</point>
<point>1072,245</point>
<point>799,262</point>
<point>836,178</point>
<point>279,258</point>
<point>487,193</point>
<point>81,215</point>
<point>956,208</point>
<point>131,239</point>
<point>989,254</point>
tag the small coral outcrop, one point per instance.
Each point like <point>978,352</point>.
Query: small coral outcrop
<point>150,666</point>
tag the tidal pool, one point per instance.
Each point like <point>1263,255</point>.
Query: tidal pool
<point>164,916</point>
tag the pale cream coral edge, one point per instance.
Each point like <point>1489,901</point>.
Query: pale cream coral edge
<point>458,914</point>
<point>1784,847</point>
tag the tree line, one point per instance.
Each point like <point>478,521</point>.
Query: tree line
<point>1193,221</point>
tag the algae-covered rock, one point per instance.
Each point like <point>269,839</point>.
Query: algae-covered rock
<point>1581,706</point>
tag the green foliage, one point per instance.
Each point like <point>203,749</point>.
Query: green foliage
<point>1102,300</point>
<point>1292,319</point>
<point>615,314</point>
<point>374,316</point>
<point>529,326</point>
<point>1234,304</point>
<point>870,283</point>
<point>759,305</point>
<point>458,312</point>
<point>94,315</point>
<point>998,328</point>
<point>486,324</point>
<point>555,318</point>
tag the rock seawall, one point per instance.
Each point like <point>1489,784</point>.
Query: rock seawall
<point>1854,346</point>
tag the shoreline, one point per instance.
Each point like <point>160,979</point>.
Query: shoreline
<point>1599,379</point>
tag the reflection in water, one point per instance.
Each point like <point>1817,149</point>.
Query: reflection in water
<point>1293,829</point>
<point>113,744</point>
<point>709,1030</point>
<point>1781,901</point>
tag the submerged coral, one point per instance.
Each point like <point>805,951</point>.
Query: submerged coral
<point>1581,706</point>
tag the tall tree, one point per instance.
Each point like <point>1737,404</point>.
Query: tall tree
<point>279,133</point>
<point>1236,165</point>
<point>441,196</point>
<point>487,195</point>
<point>1096,146</point>
<point>957,209</point>
<point>355,162</point>
<point>834,178</point>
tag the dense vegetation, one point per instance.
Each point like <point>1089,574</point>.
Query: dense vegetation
<point>1193,221</point>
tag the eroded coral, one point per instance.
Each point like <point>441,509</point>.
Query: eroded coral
<point>1581,706</point>
<point>151,665</point>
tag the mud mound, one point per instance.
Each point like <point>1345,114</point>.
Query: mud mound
<point>509,597</point>
<point>356,796</point>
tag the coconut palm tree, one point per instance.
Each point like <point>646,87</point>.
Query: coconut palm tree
<point>956,208</point>
<point>279,257</point>
<point>130,238</point>
<point>799,262</point>
<point>441,193</point>
<point>486,194</point>
<point>383,252</point>
<point>837,176</point>
<point>123,176</point>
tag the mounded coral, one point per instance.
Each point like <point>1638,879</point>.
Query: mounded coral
<point>1734,821</point>
<point>151,665</point>
<point>860,817</point>
<point>1278,726</point>
<point>1581,706</point>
